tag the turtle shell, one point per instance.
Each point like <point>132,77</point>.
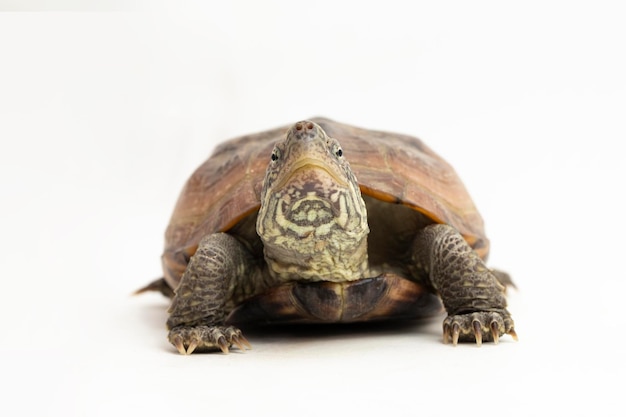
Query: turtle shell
<point>390,167</point>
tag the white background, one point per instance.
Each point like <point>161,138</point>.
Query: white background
<point>106,110</point>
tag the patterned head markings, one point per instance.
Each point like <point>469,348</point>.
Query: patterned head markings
<point>311,206</point>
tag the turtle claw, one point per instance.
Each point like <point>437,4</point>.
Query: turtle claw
<point>192,346</point>
<point>205,338</point>
<point>495,334</point>
<point>481,326</point>
<point>177,341</point>
<point>241,342</point>
<point>478,334</point>
<point>222,344</point>
<point>456,330</point>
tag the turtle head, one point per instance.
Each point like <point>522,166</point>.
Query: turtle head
<point>312,220</point>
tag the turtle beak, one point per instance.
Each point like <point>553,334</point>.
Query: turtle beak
<point>313,168</point>
<point>308,158</point>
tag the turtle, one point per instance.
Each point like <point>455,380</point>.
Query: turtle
<point>324,222</point>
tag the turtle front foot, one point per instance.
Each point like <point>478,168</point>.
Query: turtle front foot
<point>481,326</point>
<point>206,338</point>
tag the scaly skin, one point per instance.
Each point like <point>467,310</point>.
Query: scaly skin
<point>471,292</point>
<point>199,308</point>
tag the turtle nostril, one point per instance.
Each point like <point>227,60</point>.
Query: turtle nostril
<point>304,130</point>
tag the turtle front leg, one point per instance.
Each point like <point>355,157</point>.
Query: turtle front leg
<point>471,293</point>
<point>199,307</point>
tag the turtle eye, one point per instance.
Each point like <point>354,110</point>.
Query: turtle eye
<point>334,147</point>
<point>275,155</point>
<point>338,151</point>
